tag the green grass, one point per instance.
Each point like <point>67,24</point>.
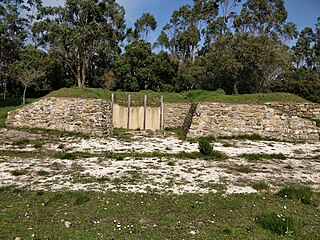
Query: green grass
<point>245,169</point>
<point>301,193</point>
<point>253,137</point>
<point>188,96</point>
<point>279,224</point>
<point>260,156</point>
<point>116,215</point>
<point>260,185</point>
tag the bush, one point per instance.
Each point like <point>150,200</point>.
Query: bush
<point>303,194</point>
<point>205,147</point>
<point>260,185</point>
<point>278,224</point>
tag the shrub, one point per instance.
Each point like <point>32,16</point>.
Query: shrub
<point>205,147</point>
<point>70,156</point>
<point>278,224</point>
<point>304,194</point>
<point>18,172</point>
<point>22,141</point>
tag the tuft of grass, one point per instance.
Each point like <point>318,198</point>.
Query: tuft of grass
<point>19,172</point>
<point>38,144</point>
<point>289,167</point>
<point>80,198</point>
<point>278,224</point>
<point>259,156</point>
<point>121,134</point>
<point>67,155</point>
<point>22,141</point>
<point>227,230</point>
<point>253,137</point>
<point>205,147</point>
<point>245,169</point>
<point>43,173</point>
<point>301,193</point>
<point>171,163</point>
<point>260,185</point>
<point>317,122</point>
<point>178,132</point>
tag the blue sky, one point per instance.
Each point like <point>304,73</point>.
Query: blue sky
<point>302,12</point>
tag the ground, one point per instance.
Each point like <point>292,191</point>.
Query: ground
<point>141,173</point>
<point>161,167</point>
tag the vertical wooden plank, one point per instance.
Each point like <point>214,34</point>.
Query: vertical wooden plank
<point>129,102</point>
<point>161,113</point>
<point>144,112</point>
<point>112,101</point>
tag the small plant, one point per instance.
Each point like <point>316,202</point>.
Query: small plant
<point>289,167</point>
<point>18,172</point>
<point>70,156</point>
<point>171,163</point>
<point>42,173</point>
<point>227,231</point>
<point>260,185</point>
<point>259,156</point>
<point>80,198</point>
<point>22,141</point>
<point>304,194</point>
<point>61,146</point>
<point>278,224</point>
<point>245,169</point>
<point>205,147</point>
<point>38,144</point>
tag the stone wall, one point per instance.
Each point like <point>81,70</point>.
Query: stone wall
<point>89,116</point>
<point>306,110</point>
<point>221,119</point>
<point>175,114</point>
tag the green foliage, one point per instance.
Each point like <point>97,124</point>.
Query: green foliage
<point>279,224</point>
<point>259,156</point>
<point>43,173</point>
<point>38,144</point>
<point>18,172</point>
<point>67,155</point>
<point>303,194</point>
<point>22,141</point>
<point>245,169</point>
<point>260,186</point>
<point>301,82</point>
<point>205,147</point>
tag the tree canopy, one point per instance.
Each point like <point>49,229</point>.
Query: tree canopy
<point>239,46</point>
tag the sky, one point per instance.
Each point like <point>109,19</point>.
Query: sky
<point>304,13</point>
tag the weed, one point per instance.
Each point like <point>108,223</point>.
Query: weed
<point>226,144</point>
<point>42,173</point>
<point>289,167</point>
<point>205,147</point>
<point>19,172</point>
<point>22,141</point>
<point>260,185</point>
<point>227,230</point>
<point>121,134</point>
<point>304,194</point>
<point>245,169</point>
<point>171,163</point>
<point>279,224</point>
<point>38,144</point>
<point>67,155</point>
<point>259,156</point>
<point>178,132</point>
<point>61,146</point>
<point>253,137</point>
<point>80,198</point>
<point>317,122</point>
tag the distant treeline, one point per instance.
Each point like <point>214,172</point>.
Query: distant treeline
<point>206,45</point>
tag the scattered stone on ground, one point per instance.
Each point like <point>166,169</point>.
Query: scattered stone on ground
<point>176,176</point>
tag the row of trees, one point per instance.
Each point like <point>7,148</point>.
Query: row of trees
<point>206,45</point>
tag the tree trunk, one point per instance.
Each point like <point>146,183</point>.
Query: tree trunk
<point>24,95</point>
<point>235,89</point>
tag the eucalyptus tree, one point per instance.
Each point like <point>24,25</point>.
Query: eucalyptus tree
<point>185,28</point>
<point>145,24</point>
<point>265,18</point>
<point>302,51</point>
<point>12,37</point>
<point>81,31</point>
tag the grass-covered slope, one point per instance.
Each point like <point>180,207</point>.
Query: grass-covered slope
<point>189,96</point>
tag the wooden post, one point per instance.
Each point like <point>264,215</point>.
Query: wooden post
<point>145,112</point>
<point>161,113</point>
<point>129,100</point>
<point>112,101</point>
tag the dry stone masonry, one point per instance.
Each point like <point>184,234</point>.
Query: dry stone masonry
<point>282,121</point>
<point>222,119</point>
<point>305,110</point>
<point>89,116</point>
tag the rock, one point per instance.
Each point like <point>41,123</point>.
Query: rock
<point>17,238</point>
<point>67,224</point>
